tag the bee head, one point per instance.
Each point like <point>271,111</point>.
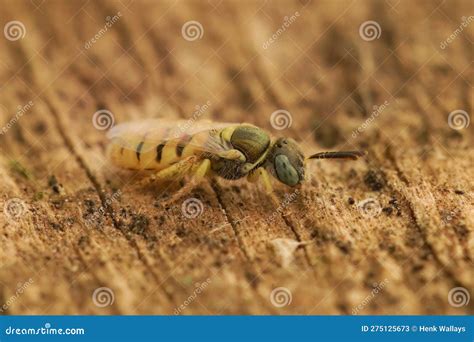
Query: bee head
<point>286,161</point>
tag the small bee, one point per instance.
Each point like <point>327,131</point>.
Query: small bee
<point>232,151</point>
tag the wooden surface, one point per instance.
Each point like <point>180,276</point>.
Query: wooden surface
<point>84,225</point>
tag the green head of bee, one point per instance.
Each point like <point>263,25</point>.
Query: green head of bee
<point>286,160</point>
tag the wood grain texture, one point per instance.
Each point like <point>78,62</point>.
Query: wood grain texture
<point>83,224</point>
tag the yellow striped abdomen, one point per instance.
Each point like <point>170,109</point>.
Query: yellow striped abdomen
<point>136,154</point>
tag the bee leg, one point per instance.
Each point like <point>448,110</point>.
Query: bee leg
<point>262,175</point>
<point>202,169</point>
<point>253,176</point>
<point>199,172</point>
<point>232,155</point>
<point>173,172</point>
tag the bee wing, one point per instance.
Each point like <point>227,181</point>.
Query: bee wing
<point>152,132</point>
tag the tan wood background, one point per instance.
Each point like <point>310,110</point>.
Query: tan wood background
<point>71,223</point>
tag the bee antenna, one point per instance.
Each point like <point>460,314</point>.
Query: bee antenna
<point>338,155</point>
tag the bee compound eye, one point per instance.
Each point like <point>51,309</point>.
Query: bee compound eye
<point>285,172</point>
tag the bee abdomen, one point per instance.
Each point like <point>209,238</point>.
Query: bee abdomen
<point>139,149</point>
<point>159,152</point>
<point>148,155</point>
<point>181,145</point>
